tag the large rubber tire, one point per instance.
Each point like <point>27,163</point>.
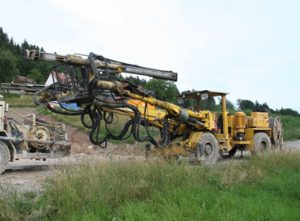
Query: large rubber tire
<point>208,149</point>
<point>4,156</point>
<point>277,132</point>
<point>261,143</point>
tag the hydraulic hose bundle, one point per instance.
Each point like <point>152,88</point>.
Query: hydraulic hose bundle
<point>81,81</point>
<point>95,117</point>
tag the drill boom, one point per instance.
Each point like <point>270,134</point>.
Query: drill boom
<point>102,63</point>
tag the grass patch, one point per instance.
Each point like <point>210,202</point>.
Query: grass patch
<point>18,100</point>
<point>262,188</point>
<point>15,205</point>
<point>291,127</point>
<point>73,121</point>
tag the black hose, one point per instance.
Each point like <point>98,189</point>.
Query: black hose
<point>132,126</point>
<point>87,111</point>
<point>122,135</point>
<point>95,131</point>
<point>108,120</point>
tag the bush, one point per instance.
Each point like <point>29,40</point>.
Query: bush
<point>291,127</point>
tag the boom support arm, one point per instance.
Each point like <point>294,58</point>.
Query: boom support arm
<point>173,110</point>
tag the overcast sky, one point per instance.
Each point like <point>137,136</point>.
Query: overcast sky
<point>248,48</point>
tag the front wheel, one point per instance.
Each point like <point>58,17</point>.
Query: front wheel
<point>4,156</point>
<point>208,149</point>
<point>261,143</point>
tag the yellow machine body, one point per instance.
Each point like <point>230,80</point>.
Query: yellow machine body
<point>258,119</point>
<point>240,121</point>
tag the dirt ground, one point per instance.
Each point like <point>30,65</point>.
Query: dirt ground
<point>30,175</point>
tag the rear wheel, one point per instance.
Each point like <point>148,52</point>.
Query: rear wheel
<point>277,132</point>
<point>208,149</point>
<point>262,143</point>
<point>40,133</point>
<point>4,156</point>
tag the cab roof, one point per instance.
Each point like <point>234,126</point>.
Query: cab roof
<point>197,94</point>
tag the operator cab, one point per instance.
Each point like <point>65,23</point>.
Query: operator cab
<point>200,100</point>
<point>205,100</point>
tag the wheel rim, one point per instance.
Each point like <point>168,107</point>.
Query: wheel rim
<point>40,133</point>
<point>208,149</point>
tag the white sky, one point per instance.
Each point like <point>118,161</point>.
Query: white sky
<point>249,48</point>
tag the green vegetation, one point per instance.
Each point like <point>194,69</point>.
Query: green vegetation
<point>265,188</point>
<point>18,100</point>
<point>291,127</point>
<point>13,63</point>
<point>248,106</point>
<point>164,90</point>
<point>286,111</point>
<point>73,121</point>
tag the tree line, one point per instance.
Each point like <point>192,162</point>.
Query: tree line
<point>13,63</point>
<point>256,106</point>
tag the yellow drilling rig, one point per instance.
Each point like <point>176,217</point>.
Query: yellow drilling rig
<point>92,83</point>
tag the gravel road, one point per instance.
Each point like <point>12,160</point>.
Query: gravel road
<point>292,145</point>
